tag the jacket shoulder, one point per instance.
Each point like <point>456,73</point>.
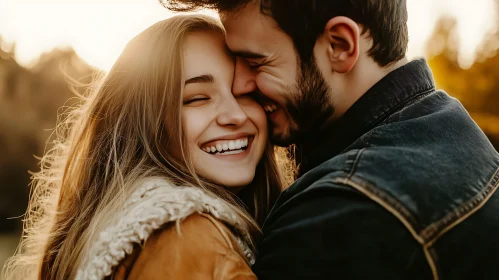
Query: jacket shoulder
<point>156,203</point>
<point>199,247</point>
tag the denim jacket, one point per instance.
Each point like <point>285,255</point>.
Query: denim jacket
<point>402,187</point>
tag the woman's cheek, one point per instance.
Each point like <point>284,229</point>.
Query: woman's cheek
<point>194,123</point>
<point>259,118</point>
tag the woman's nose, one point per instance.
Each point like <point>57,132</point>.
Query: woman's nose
<point>231,114</point>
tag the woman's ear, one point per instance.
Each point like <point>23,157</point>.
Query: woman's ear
<point>342,36</point>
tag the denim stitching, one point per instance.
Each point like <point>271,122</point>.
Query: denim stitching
<point>393,206</point>
<point>350,161</point>
<point>435,231</point>
<point>386,200</point>
<point>355,163</point>
<point>430,255</point>
<point>439,228</point>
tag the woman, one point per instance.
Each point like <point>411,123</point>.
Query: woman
<point>162,172</point>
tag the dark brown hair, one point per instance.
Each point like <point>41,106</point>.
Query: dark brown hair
<point>303,20</point>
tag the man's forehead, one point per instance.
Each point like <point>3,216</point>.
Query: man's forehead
<point>249,16</point>
<point>248,30</point>
<point>245,44</point>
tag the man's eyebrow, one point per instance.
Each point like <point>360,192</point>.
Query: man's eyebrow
<point>248,54</point>
<point>204,79</point>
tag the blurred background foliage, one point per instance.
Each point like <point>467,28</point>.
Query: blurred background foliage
<point>29,102</point>
<point>477,87</point>
<point>30,99</point>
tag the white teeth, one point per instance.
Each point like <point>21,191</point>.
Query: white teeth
<point>233,152</point>
<point>270,108</point>
<point>224,148</point>
<point>232,145</point>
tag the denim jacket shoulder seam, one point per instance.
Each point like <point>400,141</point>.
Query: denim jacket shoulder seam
<point>398,210</point>
<point>437,229</point>
<point>428,236</point>
<point>378,195</point>
<point>393,206</point>
<point>352,162</point>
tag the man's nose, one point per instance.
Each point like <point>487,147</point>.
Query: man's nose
<point>244,78</point>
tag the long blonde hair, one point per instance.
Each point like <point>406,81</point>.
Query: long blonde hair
<point>122,132</point>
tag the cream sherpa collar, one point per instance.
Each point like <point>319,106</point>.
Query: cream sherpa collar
<point>154,204</point>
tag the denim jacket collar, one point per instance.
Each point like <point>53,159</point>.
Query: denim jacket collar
<point>396,90</point>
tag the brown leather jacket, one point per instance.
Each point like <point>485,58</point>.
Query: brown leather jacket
<point>203,249</point>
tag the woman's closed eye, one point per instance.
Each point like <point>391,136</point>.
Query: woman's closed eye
<point>196,100</point>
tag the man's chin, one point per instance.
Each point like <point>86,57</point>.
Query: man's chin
<point>284,134</point>
<point>283,139</point>
<point>281,142</point>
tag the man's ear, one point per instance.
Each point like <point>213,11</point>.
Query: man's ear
<point>342,36</point>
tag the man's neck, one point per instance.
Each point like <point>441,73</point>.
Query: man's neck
<point>372,105</point>
<point>358,81</point>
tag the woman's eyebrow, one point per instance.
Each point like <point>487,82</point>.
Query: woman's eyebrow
<point>200,79</point>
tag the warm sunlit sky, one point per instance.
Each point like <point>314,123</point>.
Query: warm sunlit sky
<point>99,29</point>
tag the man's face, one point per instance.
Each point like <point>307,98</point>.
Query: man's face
<point>294,93</point>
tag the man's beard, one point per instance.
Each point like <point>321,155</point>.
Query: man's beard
<point>309,106</point>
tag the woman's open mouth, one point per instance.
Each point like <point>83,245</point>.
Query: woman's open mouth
<point>228,147</point>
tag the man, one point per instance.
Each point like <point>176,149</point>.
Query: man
<point>396,181</point>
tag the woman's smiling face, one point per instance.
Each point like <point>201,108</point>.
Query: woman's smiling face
<point>226,135</point>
